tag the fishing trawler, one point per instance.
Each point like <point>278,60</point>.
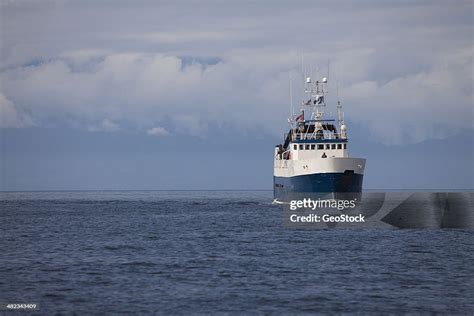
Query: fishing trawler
<point>314,157</point>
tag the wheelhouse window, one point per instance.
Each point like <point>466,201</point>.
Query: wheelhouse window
<point>301,147</point>
<point>339,146</point>
<point>320,147</point>
<point>333,146</point>
<point>345,146</point>
<point>307,147</point>
<point>328,146</point>
<point>313,146</point>
<point>295,147</point>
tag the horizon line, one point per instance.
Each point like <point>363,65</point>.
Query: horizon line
<point>214,190</point>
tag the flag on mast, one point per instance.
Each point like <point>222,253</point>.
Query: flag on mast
<point>300,117</point>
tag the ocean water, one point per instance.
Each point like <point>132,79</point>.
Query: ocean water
<point>218,252</point>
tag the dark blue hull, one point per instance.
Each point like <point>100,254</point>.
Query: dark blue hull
<point>346,182</point>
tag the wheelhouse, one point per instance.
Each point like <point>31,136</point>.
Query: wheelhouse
<point>311,139</point>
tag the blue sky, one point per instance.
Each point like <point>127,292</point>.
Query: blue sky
<point>194,95</point>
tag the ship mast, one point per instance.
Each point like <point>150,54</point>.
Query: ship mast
<point>316,99</point>
<point>340,114</point>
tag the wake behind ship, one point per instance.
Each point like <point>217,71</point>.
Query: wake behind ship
<point>314,157</point>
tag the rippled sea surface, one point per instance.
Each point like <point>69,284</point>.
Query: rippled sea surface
<point>205,252</point>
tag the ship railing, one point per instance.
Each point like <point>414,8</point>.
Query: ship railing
<point>283,156</point>
<point>281,163</point>
<point>317,136</point>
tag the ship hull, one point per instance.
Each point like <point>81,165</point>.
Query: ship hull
<point>334,182</point>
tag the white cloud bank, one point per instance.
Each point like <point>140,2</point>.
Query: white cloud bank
<point>147,90</point>
<point>10,117</point>
<point>158,131</point>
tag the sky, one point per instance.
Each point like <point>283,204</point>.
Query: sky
<point>195,94</point>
